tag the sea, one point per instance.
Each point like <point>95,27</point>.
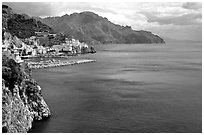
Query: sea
<point>131,88</point>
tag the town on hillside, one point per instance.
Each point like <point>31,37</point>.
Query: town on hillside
<point>43,44</point>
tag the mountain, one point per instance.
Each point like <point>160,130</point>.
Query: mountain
<point>21,26</point>
<point>91,28</point>
<point>171,40</point>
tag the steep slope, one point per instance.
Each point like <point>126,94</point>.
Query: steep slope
<point>22,100</point>
<point>21,25</point>
<point>91,28</point>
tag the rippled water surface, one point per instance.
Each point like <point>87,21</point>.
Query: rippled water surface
<point>131,88</point>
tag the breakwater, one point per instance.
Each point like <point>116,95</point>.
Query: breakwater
<point>57,63</point>
<point>130,88</point>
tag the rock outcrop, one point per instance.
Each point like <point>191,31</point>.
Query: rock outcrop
<point>22,100</point>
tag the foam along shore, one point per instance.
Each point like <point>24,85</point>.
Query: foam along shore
<point>57,63</point>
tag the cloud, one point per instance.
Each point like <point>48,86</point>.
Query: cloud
<point>161,18</point>
<point>44,9</point>
<point>182,32</point>
<point>185,19</point>
<point>31,8</point>
<point>192,5</point>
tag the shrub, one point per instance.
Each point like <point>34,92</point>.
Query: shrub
<point>11,72</point>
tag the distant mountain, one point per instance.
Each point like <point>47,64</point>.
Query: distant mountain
<point>91,28</point>
<point>22,26</point>
<point>171,40</point>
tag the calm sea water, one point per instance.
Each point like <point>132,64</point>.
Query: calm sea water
<point>131,88</point>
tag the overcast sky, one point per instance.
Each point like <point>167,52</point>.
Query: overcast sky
<point>173,20</point>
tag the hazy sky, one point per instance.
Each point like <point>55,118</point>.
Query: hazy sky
<point>174,20</point>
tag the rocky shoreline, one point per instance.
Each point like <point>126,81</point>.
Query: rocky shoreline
<point>22,99</point>
<point>57,63</point>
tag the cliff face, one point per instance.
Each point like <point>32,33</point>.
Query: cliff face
<point>22,100</point>
<point>91,28</point>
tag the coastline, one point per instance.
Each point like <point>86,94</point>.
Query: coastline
<point>22,99</point>
<point>25,104</point>
<point>121,91</point>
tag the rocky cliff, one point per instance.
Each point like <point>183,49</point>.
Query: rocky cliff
<point>22,100</point>
<point>91,28</point>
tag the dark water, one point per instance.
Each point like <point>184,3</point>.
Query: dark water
<point>131,88</point>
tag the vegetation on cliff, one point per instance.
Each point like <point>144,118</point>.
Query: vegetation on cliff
<point>20,25</point>
<point>22,100</point>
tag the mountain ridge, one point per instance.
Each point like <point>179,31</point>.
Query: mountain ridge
<point>89,27</point>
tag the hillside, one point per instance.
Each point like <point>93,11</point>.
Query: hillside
<point>22,100</point>
<point>91,28</point>
<point>21,25</point>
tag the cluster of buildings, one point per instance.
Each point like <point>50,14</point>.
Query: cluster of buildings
<point>30,47</point>
<point>70,47</point>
